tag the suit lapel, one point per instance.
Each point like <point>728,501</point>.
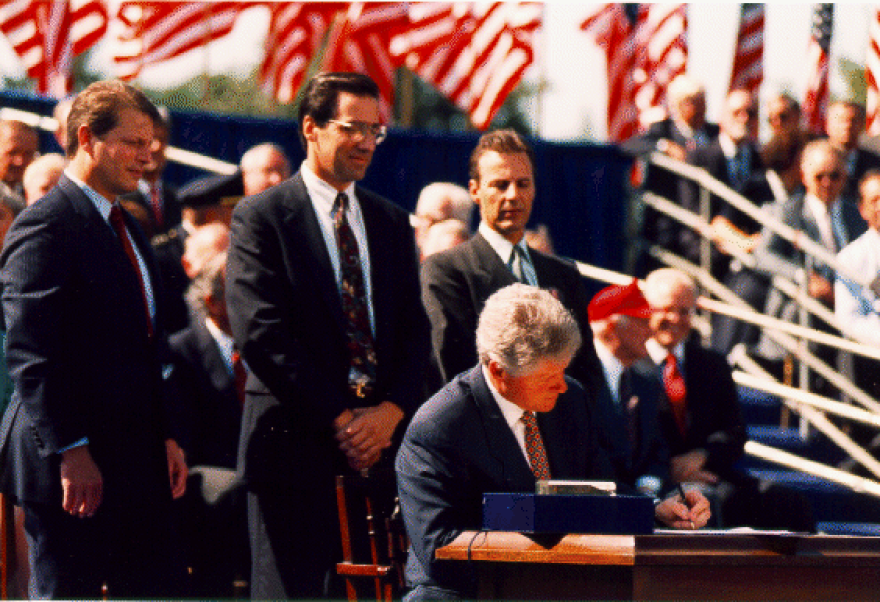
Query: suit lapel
<point>488,267</point>
<point>309,243</point>
<point>500,441</point>
<point>218,371</point>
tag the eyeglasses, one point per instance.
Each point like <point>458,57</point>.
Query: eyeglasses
<point>834,176</point>
<point>360,130</point>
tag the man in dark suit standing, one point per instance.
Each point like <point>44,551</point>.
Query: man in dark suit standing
<point>511,420</point>
<point>457,282</point>
<point>323,295</point>
<point>86,447</point>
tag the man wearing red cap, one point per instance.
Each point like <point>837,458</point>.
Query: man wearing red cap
<point>626,403</point>
<point>511,420</point>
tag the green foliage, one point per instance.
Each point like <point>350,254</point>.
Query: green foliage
<point>853,74</point>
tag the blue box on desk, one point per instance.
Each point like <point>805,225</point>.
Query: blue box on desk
<point>557,513</point>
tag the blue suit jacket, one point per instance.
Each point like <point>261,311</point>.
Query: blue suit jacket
<point>79,354</point>
<point>650,457</point>
<point>458,447</point>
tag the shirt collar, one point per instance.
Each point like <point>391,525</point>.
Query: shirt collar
<point>501,246</point>
<point>512,413</point>
<point>98,200</point>
<point>818,208</point>
<point>322,194</point>
<point>611,366</point>
<point>658,352</point>
<point>728,146</point>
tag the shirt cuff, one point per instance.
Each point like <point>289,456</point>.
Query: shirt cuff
<point>80,443</point>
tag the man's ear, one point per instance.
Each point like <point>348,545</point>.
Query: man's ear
<point>85,139</point>
<point>309,126</point>
<point>473,187</point>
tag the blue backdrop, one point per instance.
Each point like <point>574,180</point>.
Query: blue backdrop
<point>581,188</point>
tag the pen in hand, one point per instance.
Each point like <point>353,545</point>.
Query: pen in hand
<point>684,501</point>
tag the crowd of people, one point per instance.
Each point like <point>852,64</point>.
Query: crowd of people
<point>188,369</point>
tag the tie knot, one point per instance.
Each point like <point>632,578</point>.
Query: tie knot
<point>670,359</point>
<point>341,202</point>
<point>529,420</point>
<point>116,216</point>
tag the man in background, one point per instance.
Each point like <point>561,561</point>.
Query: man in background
<point>457,282</point>
<point>263,166</point>
<point>19,144</point>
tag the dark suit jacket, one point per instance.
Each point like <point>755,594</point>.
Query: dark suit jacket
<point>712,159</point>
<point>458,447</point>
<point>287,318</point>
<point>170,208</point>
<point>657,228</point>
<point>865,161</point>
<point>80,356</point>
<point>650,456</point>
<point>456,284</point>
<point>209,409</point>
<point>713,417</point>
<point>168,249</point>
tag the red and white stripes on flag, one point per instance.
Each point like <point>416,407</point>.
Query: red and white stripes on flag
<point>748,59</point>
<point>612,27</point>
<point>47,34</point>
<point>646,48</point>
<point>872,75</point>
<point>662,51</point>
<point>816,98</point>
<point>475,54</point>
<point>360,40</point>
<point>296,32</point>
<point>152,32</point>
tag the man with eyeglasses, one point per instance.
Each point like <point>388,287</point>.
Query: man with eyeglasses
<point>823,215</point>
<point>784,117</point>
<point>700,418</point>
<point>324,304</point>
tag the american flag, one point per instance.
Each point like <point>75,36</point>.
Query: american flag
<point>748,60</point>
<point>816,99</point>
<point>661,55</point>
<point>872,75</point>
<point>613,26</point>
<point>152,32</point>
<point>47,34</point>
<point>359,41</point>
<point>296,32</point>
<point>475,54</point>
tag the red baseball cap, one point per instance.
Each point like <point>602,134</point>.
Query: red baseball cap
<point>619,300</point>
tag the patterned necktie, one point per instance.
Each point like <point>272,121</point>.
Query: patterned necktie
<point>535,447</point>
<point>673,382</point>
<point>118,223</point>
<point>240,373</point>
<point>353,292</point>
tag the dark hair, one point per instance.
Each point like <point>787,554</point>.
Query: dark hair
<point>99,107</point>
<point>500,141</point>
<point>871,174</point>
<point>320,97</point>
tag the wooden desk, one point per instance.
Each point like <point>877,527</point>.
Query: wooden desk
<point>687,566</point>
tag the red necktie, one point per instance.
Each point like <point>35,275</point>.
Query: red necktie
<point>118,223</point>
<point>535,447</point>
<point>240,373</point>
<point>676,393</point>
<point>354,295</point>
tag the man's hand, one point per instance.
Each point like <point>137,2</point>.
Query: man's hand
<point>673,513</point>
<point>819,288</point>
<point>81,482</point>
<point>672,149</point>
<point>688,467</point>
<point>364,432</point>
<point>177,469</point>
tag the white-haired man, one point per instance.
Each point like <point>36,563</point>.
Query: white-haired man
<point>499,427</point>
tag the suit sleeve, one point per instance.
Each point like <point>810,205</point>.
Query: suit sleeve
<point>773,253</point>
<point>453,317</point>
<point>258,294</point>
<point>36,271</point>
<point>725,443</point>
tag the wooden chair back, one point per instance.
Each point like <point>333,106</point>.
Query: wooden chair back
<point>374,540</point>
